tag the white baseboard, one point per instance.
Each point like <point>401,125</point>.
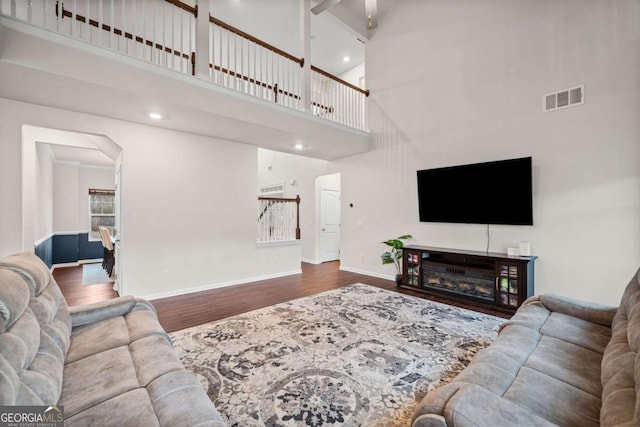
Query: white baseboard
<point>220,285</point>
<point>75,264</point>
<point>368,273</point>
<point>89,261</point>
<point>311,261</point>
<point>65,264</point>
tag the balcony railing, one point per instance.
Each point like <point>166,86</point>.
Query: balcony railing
<point>278,219</point>
<point>164,32</point>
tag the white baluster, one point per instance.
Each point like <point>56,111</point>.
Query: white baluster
<point>29,11</point>
<point>100,21</point>
<point>112,24</point>
<point>221,55</point>
<point>123,26</point>
<point>182,49</point>
<point>134,30</point>
<point>211,52</point>
<point>163,13</point>
<point>45,11</point>
<point>191,47</point>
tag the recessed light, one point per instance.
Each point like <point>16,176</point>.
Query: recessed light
<point>346,59</point>
<point>298,146</point>
<point>155,116</point>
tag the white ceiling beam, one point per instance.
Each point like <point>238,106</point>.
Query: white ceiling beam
<point>324,5</point>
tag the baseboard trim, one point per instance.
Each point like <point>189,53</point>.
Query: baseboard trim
<point>64,264</point>
<point>220,285</point>
<point>75,264</point>
<point>368,273</point>
<point>311,261</point>
<point>89,261</point>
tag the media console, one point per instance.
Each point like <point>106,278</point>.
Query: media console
<point>487,279</point>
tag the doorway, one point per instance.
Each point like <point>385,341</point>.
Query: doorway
<point>58,170</point>
<point>329,209</point>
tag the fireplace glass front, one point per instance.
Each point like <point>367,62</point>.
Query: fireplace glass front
<point>473,283</point>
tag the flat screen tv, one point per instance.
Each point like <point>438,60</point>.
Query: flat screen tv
<point>498,192</point>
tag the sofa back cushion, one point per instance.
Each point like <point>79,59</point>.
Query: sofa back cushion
<point>620,362</point>
<point>35,328</point>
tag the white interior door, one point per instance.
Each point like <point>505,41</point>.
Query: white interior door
<point>329,225</point>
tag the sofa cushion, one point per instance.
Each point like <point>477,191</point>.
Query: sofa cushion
<point>14,298</point>
<point>544,366</point>
<point>127,364</point>
<point>28,265</point>
<point>620,363</point>
<point>553,400</point>
<point>108,412</point>
<point>34,333</point>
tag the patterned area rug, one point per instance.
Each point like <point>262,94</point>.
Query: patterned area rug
<point>356,356</point>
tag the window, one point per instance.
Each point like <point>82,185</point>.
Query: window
<point>102,212</point>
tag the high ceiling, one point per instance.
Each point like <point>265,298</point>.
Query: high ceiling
<point>44,68</point>
<point>277,23</point>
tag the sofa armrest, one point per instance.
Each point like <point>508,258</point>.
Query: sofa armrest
<point>591,312</point>
<point>91,313</point>
<point>472,405</point>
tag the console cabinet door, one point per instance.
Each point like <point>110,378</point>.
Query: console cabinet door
<point>509,280</point>
<point>412,263</point>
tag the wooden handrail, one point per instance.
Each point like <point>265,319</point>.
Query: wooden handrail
<point>191,56</point>
<point>256,40</point>
<point>191,9</point>
<point>119,32</point>
<point>280,199</point>
<point>339,80</point>
<point>265,85</point>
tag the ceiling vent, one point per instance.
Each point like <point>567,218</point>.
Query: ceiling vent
<point>563,99</point>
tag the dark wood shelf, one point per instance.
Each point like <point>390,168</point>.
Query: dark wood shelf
<point>484,279</point>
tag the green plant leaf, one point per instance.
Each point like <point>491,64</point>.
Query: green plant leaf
<point>394,256</point>
<point>389,242</point>
<point>386,258</point>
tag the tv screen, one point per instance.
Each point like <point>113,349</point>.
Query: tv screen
<point>497,192</point>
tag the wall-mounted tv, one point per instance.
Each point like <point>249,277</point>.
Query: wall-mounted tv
<point>498,192</point>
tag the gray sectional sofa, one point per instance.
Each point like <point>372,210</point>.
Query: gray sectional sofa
<point>556,362</point>
<point>109,364</point>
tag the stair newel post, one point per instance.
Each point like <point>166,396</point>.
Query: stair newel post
<point>298,217</point>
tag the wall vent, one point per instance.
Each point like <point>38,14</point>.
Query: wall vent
<point>563,99</point>
<point>273,190</point>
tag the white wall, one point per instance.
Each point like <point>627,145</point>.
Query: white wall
<point>304,170</point>
<point>71,194</point>
<point>188,219</point>
<point>354,74</point>
<point>65,195</point>
<point>462,82</point>
<point>44,193</point>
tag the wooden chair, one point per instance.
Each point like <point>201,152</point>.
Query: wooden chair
<point>108,259</point>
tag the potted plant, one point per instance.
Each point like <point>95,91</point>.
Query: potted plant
<point>394,255</point>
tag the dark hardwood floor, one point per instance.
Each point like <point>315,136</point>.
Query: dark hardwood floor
<point>70,281</point>
<point>187,310</point>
